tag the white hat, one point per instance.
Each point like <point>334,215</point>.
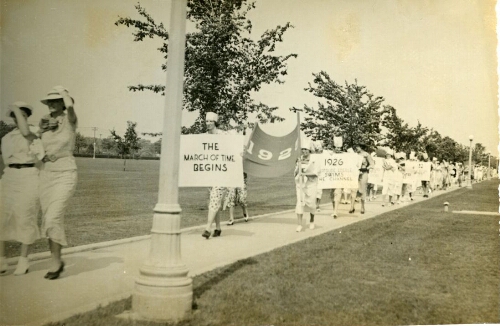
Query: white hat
<point>53,94</point>
<point>389,151</point>
<point>412,155</point>
<point>212,116</point>
<point>425,155</point>
<point>401,155</point>
<point>434,159</point>
<point>337,141</point>
<point>20,104</point>
<point>350,150</point>
<point>305,143</point>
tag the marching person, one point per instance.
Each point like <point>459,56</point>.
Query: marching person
<point>336,193</point>
<point>426,189</point>
<point>58,176</point>
<point>237,196</point>
<point>306,184</point>
<point>318,149</point>
<point>372,187</point>
<point>217,193</point>
<point>367,164</point>
<point>21,150</point>
<point>352,192</point>
<point>390,167</point>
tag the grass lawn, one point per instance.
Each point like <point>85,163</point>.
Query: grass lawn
<point>414,265</point>
<point>111,204</point>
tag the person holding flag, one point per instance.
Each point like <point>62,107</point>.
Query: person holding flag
<point>306,181</point>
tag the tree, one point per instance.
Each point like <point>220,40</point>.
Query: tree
<point>80,142</point>
<point>350,111</point>
<point>127,144</point>
<point>399,135</point>
<point>108,145</point>
<point>223,65</point>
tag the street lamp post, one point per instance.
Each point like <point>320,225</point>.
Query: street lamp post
<point>469,178</point>
<point>163,290</point>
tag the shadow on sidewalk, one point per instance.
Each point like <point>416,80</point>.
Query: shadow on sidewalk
<point>78,265</point>
<point>199,290</point>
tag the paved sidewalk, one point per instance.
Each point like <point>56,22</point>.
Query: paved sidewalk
<point>102,273</point>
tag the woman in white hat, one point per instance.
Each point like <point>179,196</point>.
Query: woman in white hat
<point>58,176</point>
<point>21,149</point>
<point>390,167</point>
<point>217,193</point>
<point>306,185</point>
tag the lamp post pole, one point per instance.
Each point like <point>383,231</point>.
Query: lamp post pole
<point>469,178</point>
<point>163,291</point>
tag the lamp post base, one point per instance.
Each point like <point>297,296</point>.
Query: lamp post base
<point>165,299</point>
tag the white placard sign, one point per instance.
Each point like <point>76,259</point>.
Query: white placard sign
<point>211,160</point>
<point>423,170</point>
<point>338,170</point>
<point>376,175</point>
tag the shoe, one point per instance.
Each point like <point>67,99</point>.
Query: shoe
<point>246,217</point>
<point>352,211</point>
<point>362,211</point>
<point>217,233</point>
<point>299,228</point>
<point>206,234</point>
<point>426,196</point>
<point>55,275</point>
<point>383,205</point>
<point>334,215</point>
<point>3,265</point>
<point>311,226</point>
<point>318,210</point>
<point>23,266</point>
<point>231,222</point>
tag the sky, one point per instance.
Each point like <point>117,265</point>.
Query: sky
<point>433,60</point>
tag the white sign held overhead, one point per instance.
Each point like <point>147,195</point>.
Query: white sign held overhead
<point>338,170</point>
<point>211,160</point>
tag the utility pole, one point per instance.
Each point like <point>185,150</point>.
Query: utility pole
<point>94,128</point>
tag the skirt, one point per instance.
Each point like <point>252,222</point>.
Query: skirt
<point>56,189</point>
<point>20,205</point>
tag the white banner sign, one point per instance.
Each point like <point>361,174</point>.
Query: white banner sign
<point>376,175</point>
<point>422,170</point>
<point>211,160</point>
<point>338,170</point>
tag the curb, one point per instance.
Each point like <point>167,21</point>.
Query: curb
<point>99,245</point>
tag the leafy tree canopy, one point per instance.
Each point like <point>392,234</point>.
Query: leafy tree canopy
<point>348,110</point>
<point>223,64</point>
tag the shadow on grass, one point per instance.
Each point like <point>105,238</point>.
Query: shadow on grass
<point>198,291</point>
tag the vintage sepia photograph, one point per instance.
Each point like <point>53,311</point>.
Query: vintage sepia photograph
<point>249,162</point>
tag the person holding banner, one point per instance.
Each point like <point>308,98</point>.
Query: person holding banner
<point>318,149</point>
<point>367,164</point>
<point>336,193</point>
<point>306,181</point>
<point>217,193</point>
